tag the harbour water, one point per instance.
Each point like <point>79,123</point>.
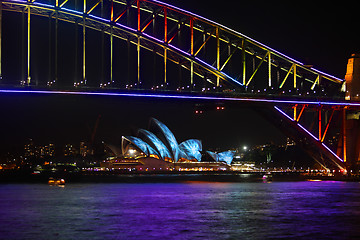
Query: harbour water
<point>186,210</point>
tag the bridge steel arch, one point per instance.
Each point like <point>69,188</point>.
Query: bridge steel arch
<point>228,63</point>
<point>182,38</point>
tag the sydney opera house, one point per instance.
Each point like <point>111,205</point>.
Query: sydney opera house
<point>157,149</point>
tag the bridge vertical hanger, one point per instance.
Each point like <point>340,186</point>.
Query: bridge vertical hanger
<point>166,41</point>
<point>138,60</point>
<point>154,53</point>
<point>217,55</point>
<point>22,82</point>
<point>111,40</point>
<point>295,112</point>
<point>192,51</point>
<point>138,41</point>
<point>243,59</point>
<point>269,68</point>
<point>49,51</point>
<point>294,72</point>
<point>84,47</point>
<point>76,52</point>
<point>102,80</point>
<point>320,126</point>
<point>28,46</point>
<point>56,42</point>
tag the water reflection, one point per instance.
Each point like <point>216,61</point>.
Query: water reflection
<point>190,210</point>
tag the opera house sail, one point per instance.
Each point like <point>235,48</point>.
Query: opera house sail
<point>161,142</point>
<point>226,156</point>
<point>159,146</point>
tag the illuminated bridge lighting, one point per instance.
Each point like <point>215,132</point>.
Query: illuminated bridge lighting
<point>310,134</point>
<point>244,36</point>
<point>189,97</point>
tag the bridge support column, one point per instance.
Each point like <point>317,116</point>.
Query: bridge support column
<point>351,139</point>
<point>352,78</point>
<point>351,118</point>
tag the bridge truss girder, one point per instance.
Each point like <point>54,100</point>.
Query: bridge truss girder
<point>226,59</point>
<point>320,129</point>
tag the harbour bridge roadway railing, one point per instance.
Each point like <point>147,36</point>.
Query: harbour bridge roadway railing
<point>217,60</point>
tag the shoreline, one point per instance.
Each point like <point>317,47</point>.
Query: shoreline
<point>149,177</point>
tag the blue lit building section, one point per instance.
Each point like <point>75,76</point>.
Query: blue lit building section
<point>169,138</point>
<point>160,143</point>
<point>182,155</point>
<point>140,144</point>
<point>192,148</point>
<point>226,156</point>
<point>213,155</point>
<point>155,142</point>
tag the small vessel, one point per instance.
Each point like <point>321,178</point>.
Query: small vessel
<point>267,176</point>
<point>56,181</point>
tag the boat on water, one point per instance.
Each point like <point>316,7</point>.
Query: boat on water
<point>267,177</point>
<point>56,181</point>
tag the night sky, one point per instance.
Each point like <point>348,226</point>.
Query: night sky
<point>320,35</point>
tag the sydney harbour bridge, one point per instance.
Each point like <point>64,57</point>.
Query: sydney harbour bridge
<point>151,49</point>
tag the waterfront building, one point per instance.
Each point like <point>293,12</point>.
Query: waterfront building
<point>157,149</point>
<point>32,150</point>
<point>47,150</point>
<point>84,149</point>
<point>69,150</point>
